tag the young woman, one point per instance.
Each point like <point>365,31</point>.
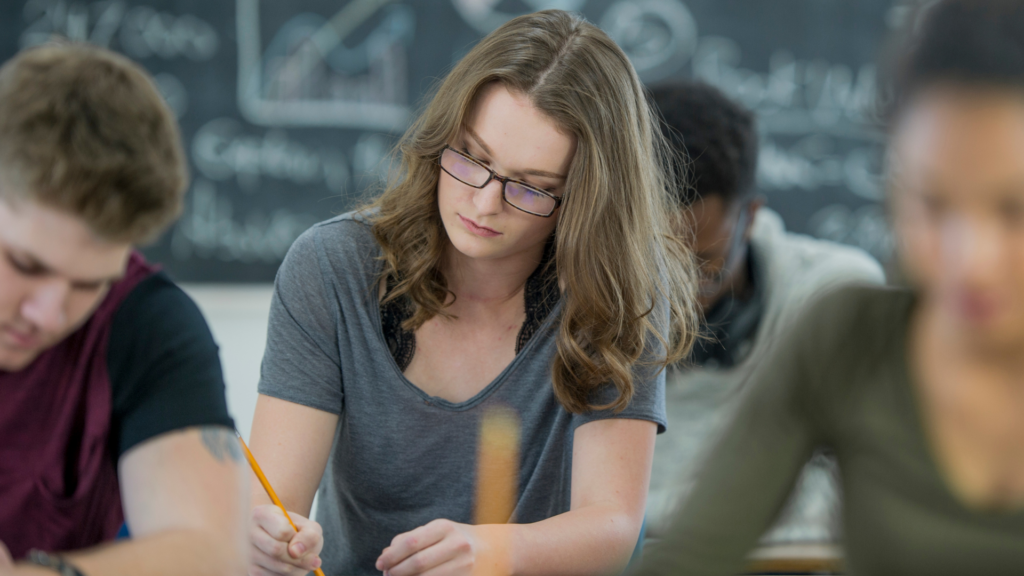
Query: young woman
<point>920,391</point>
<point>523,259</point>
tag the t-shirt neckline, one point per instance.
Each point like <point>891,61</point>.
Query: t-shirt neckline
<point>484,393</point>
<point>912,402</point>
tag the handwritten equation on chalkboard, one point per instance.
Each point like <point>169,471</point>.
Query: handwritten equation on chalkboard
<point>289,110</point>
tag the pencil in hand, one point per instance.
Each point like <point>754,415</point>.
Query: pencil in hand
<point>268,488</point>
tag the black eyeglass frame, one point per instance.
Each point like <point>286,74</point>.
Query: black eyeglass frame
<point>503,179</point>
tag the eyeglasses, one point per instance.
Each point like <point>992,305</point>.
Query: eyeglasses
<point>519,195</point>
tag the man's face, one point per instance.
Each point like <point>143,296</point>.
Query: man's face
<point>720,231</point>
<point>54,272</point>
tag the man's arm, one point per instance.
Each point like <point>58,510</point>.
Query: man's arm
<point>185,499</point>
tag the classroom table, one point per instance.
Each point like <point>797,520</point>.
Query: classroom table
<point>794,559</point>
<point>810,558</point>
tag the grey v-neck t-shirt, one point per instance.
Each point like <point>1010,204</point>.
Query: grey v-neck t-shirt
<point>400,457</point>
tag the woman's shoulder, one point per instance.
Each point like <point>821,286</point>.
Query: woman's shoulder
<point>860,304</point>
<point>344,236</point>
<point>350,228</point>
<point>853,323</point>
<point>340,247</point>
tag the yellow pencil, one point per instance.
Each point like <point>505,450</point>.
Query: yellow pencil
<point>270,490</point>
<point>497,481</point>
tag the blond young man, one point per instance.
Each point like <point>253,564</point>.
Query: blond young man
<point>113,409</point>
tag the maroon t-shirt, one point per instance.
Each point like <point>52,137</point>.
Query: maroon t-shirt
<point>115,382</point>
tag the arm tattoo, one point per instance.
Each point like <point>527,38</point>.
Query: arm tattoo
<point>221,443</point>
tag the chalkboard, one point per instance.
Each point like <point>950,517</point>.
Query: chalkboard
<point>288,108</point>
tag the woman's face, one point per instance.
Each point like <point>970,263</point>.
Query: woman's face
<point>506,133</point>
<point>958,176</point>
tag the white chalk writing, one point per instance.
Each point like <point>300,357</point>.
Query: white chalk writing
<point>141,30</point>
<point>221,149</point>
<point>866,227</point>
<point>209,229</point>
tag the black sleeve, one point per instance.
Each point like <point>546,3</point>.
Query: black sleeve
<point>164,366</point>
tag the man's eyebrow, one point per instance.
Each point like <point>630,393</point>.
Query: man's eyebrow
<point>529,171</point>
<point>98,281</point>
<point>41,267</point>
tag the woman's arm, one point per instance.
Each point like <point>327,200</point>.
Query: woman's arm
<point>292,443</point>
<point>610,473</point>
<point>742,487</point>
<point>297,412</point>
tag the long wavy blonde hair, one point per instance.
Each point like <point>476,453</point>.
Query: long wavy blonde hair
<point>616,256</point>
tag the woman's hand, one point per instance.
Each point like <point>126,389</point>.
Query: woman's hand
<point>6,563</point>
<point>443,547</point>
<point>277,549</point>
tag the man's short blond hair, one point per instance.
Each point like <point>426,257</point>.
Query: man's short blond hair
<point>84,130</point>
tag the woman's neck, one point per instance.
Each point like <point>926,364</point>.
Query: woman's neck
<point>489,282</point>
<point>1005,359</point>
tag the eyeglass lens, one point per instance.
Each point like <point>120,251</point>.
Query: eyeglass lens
<point>519,195</point>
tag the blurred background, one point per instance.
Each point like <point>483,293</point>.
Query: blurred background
<point>289,109</point>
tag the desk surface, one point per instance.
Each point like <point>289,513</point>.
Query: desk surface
<point>796,559</point>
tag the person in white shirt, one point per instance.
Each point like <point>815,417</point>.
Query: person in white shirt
<point>755,278</point>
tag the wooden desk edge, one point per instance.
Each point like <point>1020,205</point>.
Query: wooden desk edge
<point>796,559</point>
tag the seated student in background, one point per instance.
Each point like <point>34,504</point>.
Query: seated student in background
<point>755,279</point>
<point>112,404</point>
<point>523,258</point>
<point>918,391</point>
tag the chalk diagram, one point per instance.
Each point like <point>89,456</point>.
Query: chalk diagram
<point>486,15</point>
<point>309,75</point>
<point>659,36</point>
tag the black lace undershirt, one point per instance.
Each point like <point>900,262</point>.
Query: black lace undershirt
<point>540,294</point>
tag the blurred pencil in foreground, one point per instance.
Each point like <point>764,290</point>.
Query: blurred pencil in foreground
<point>497,481</point>
<point>497,467</point>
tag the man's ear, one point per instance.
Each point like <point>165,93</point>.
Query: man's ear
<point>753,206</point>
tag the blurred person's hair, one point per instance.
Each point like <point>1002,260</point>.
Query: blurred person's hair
<point>716,138</point>
<point>972,43</point>
<point>84,130</point>
<point>614,251</point>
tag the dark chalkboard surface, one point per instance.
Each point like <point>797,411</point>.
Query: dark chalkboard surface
<point>288,108</point>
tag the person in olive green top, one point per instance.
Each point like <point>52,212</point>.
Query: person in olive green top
<point>919,391</point>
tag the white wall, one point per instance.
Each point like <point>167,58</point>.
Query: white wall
<point>237,315</point>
